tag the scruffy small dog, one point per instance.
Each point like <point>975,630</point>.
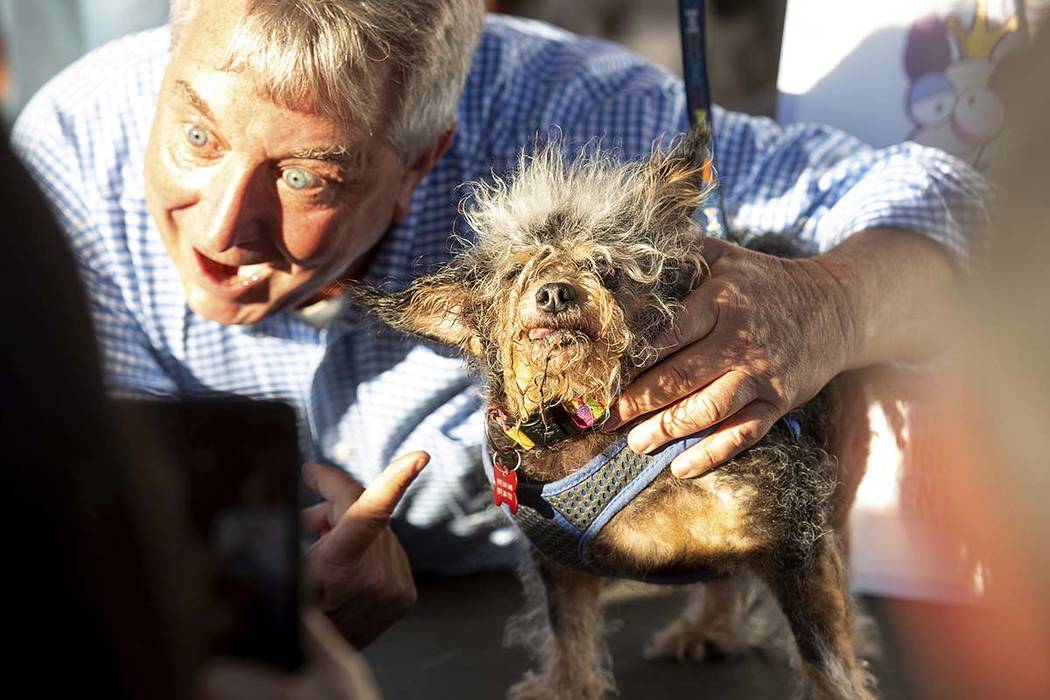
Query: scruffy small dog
<point>576,269</point>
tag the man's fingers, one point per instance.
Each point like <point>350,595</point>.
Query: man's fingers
<point>384,493</point>
<point>715,248</point>
<point>332,483</point>
<point>681,368</point>
<point>370,513</point>
<point>667,382</point>
<point>316,518</point>
<point>695,322</point>
<point>734,436</point>
<point>714,403</point>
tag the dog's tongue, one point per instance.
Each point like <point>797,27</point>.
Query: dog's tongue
<point>539,333</point>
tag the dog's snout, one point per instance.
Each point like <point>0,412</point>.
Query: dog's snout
<point>555,297</point>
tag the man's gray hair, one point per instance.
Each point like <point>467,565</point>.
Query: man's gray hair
<point>341,57</point>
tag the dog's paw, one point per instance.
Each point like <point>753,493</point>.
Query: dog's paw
<point>537,686</point>
<point>687,643</point>
<point>532,686</point>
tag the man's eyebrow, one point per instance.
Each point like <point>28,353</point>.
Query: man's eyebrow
<point>340,154</point>
<point>194,99</point>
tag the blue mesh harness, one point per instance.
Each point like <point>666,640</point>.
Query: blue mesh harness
<point>562,518</point>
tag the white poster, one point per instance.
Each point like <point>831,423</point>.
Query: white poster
<point>921,70</point>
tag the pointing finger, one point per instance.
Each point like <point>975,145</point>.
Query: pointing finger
<point>370,514</point>
<point>332,483</point>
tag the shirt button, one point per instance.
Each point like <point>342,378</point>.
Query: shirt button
<point>342,452</point>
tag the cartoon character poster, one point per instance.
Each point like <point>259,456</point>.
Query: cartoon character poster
<point>952,63</point>
<point>920,70</point>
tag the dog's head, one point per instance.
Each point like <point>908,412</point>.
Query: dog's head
<point>576,269</point>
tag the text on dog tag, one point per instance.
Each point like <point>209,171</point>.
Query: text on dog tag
<point>505,488</point>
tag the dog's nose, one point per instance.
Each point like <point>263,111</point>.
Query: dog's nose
<point>555,297</point>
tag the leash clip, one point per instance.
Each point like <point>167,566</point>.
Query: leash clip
<point>496,462</point>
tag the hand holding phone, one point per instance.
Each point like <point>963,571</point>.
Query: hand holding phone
<point>359,572</point>
<point>333,671</point>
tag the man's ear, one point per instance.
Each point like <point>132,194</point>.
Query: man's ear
<point>677,180</point>
<point>438,307</point>
<point>415,172</point>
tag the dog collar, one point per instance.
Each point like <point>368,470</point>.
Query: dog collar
<point>548,426</point>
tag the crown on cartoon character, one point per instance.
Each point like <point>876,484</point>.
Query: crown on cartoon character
<point>981,39</point>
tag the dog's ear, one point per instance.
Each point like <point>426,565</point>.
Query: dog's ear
<point>438,307</point>
<point>677,180</point>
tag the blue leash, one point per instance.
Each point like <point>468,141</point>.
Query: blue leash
<point>692,24</point>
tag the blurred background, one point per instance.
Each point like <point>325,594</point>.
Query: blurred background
<point>951,523</point>
<point>43,36</point>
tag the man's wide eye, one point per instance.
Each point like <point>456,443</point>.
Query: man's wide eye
<point>299,179</point>
<point>196,136</point>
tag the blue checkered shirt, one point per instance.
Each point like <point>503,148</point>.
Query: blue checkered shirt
<point>363,394</point>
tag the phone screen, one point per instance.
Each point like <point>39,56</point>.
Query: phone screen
<point>236,463</point>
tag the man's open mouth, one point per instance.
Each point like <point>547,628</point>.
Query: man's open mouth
<point>232,276</point>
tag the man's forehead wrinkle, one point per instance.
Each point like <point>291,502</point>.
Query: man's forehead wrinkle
<point>194,99</point>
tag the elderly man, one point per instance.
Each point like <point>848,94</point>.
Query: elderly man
<point>288,144</point>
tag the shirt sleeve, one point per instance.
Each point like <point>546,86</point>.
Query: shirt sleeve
<point>813,183</point>
<point>53,148</point>
<point>820,185</point>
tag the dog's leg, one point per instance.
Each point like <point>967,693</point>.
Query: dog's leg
<point>817,604</point>
<point>563,630</point>
<point>725,617</point>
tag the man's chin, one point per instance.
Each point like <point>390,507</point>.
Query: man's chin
<point>228,312</point>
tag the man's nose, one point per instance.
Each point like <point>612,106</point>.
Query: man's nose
<point>555,297</point>
<point>242,199</point>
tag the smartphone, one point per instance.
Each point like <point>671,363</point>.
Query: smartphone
<point>236,464</point>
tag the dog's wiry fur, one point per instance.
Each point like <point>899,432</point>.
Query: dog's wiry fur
<point>576,269</point>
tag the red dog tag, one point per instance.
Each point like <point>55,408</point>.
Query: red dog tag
<point>505,488</point>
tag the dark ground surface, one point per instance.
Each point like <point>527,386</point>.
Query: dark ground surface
<point>450,646</point>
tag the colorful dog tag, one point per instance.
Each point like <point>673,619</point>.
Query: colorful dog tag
<point>584,412</point>
<point>505,487</point>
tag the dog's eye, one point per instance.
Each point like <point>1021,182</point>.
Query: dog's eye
<point>513,273</point>
<point>610,278</point>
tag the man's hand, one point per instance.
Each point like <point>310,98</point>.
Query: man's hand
<point>761,336</point>
<point>361,573</point>
<point>333,671</point>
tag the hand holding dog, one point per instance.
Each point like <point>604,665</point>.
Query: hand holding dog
<point>361,573</point>
<point>762,335</point>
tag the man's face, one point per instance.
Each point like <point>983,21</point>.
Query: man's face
<point>260,207</point>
